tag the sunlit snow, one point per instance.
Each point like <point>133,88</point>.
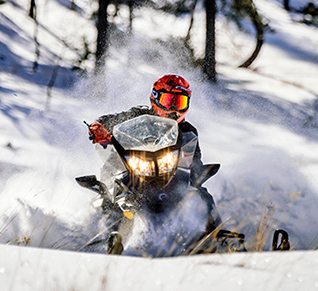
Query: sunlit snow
<point>260,124</point>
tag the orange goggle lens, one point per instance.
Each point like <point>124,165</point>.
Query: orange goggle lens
<point>167,100</point>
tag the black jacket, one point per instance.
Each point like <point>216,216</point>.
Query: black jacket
<point>110,120</point>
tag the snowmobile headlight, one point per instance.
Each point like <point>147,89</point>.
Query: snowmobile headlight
<point>141,167</point>
<point>168,162</point>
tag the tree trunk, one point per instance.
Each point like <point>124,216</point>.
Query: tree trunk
<point>187,38</point>
<point>286,4</point>
<point>259,26</point>
<point>131,5</point>
<point>32,10</point>
<point>209,60</point>
<point>102,34</point>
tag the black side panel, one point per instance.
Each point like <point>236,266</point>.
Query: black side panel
<point>91,183</point>
<point>209,171</point>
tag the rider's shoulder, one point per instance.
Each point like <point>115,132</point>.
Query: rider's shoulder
<point>141,109</point>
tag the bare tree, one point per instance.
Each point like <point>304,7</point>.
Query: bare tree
<point>32,9</point>
<point>209,59</point>
<point>187,38</point>
<point>33,15</point>
<point>286,4</point>
<point>102,33</point>
<point>250,9</point>
<point>131,5</point>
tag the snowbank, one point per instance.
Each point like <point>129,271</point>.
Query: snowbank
<point>41,269</point>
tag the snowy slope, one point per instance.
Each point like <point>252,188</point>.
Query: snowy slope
<point>260,124</point>
<point>40,269</point>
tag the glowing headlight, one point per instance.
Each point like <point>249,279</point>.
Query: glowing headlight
<point>142,167</point>
<point>168,162</point>
<point>164,164</point>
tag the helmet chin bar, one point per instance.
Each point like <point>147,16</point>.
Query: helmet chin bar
<point>175,115</point>
<point>172,115</point>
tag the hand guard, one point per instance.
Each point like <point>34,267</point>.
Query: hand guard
<point>98,133</point>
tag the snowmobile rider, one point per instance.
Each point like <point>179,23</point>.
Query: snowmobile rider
<point>170,97</point>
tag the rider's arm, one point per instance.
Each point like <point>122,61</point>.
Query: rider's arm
<point>98,133</point>
<point>111,120</point>
<point>101,130</point>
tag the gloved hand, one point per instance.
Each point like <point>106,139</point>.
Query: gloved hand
<point>98,133</point>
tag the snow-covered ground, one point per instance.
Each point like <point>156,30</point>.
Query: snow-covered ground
<point>260,124</point>
<point>39,269</point>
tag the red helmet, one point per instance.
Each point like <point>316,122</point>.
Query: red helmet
<point>170,97</point>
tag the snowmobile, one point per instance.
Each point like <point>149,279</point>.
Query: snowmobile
<point>149,206</point>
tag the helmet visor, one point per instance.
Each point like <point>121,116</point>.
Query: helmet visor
<point>167,100</point>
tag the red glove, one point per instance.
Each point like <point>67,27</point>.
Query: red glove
<point>98,133</point>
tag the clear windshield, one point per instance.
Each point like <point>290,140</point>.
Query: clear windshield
<point>147,133</point>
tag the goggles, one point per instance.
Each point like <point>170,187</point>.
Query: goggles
<point>167,100</point>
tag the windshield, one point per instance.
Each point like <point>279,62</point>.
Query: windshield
<point>147,133</point>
